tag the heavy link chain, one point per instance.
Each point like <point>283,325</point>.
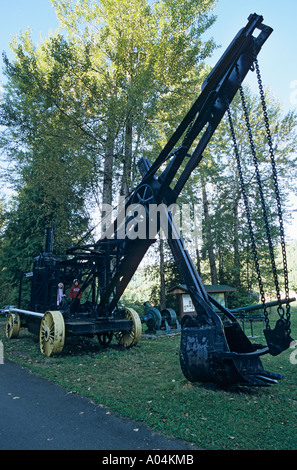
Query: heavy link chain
<point>263,203</point>
<point>277,195</point>
<point>248,214</point>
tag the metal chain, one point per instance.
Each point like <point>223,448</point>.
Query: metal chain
<point>263,203</point>
<point>248,213</point>
<point>277,194</point>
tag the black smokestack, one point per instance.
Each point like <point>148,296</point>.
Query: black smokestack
<point>49,243</point>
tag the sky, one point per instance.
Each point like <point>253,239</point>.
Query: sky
<point>277,59</point>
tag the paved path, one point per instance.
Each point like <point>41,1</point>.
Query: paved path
<point>38,415</point>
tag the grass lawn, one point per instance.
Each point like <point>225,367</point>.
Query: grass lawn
<point>145,383</point>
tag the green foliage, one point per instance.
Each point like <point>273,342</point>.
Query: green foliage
<point>292,265</point>
<point>152,276</point>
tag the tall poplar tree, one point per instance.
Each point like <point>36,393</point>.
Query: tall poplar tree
<point>80,108</point>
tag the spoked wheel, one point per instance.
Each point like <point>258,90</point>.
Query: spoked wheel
<point>105,338</point>
<point>131,337</point>
<point>144,195</point>
<point>52,333</point>
<point>13,325</point>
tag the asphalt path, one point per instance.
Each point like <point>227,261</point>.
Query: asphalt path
<point>36,414</point>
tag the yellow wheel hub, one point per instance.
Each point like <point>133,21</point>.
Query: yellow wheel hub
<point>13,325</point>
<point>52,333</point>
<point>130,338</point>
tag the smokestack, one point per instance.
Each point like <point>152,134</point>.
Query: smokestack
<point>49,244</point>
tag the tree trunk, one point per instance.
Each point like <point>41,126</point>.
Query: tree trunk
<point>208,236</point>
<point>127,168</point>
<point>106,215</point>
<point>108,165</point>
<point>236,259</point>
<point>198,261</point>
<point>162,276</point>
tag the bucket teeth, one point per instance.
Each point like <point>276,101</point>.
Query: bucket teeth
<point>265,379</point>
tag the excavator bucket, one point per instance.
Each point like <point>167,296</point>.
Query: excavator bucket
<point>278,339</point>
<point>224,356</point>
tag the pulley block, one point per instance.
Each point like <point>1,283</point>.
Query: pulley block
<point>169,316</point>
<point>152,318</point>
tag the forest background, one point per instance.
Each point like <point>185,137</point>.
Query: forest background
<point>108,87</point>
